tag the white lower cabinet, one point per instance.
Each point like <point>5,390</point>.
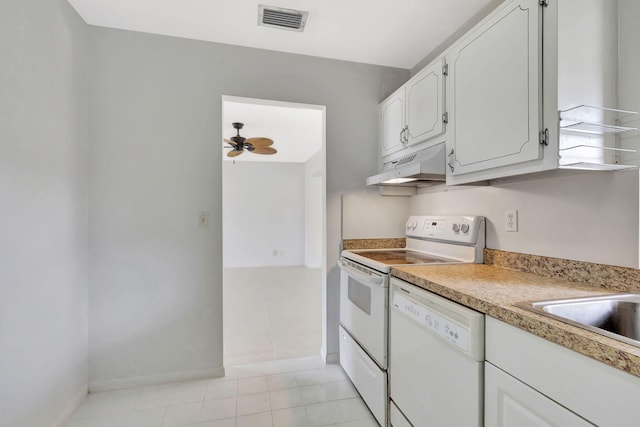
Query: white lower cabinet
<point>511,403</point>
<point>540,383</point>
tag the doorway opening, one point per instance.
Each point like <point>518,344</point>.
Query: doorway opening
<point>273,218</point>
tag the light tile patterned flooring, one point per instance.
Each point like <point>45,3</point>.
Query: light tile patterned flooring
<point>271,313</point>
<point>274,376</point>
<point>301,392</point>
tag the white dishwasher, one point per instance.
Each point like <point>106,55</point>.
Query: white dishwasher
<point>436,354</point>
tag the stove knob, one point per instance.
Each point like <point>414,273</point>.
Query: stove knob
<point>464,228</point>
<point>456,228</point>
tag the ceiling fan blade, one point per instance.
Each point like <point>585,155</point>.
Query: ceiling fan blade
<point>265,150</point>
<point>259,142</point>
<point>234,153</point>
<point>228,141</point>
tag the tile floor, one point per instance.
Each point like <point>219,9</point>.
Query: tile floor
<point>271,313</point>
<point>300,392</point>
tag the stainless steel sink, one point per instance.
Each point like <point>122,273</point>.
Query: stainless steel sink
<point>616,316</point>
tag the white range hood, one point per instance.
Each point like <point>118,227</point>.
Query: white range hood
<point>413,169</point>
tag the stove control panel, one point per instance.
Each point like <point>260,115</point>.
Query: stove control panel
<point>459,229</point>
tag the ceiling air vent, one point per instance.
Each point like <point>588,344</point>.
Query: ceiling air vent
<point>285,19</point>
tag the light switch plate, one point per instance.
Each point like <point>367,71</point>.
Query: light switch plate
<point>203,219</point>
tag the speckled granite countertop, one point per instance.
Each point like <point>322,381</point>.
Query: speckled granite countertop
<point>493,290</point>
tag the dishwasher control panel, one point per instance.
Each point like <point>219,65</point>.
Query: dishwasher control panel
<point>440,325</point>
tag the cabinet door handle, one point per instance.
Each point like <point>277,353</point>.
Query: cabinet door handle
<point>360,277</point>
<point>450,163</point>
<point>403,135</point>
<point>403,138</point>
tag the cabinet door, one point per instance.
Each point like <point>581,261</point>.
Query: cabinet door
<point>392,123</point>
<point>511,403</point>
<point>425,104</point>
<point>494,91</point>
<point>564,376</point>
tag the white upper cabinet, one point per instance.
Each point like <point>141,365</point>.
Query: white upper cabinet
<point>392,123</point>
<point>494,97</point>
<point>413,116</point>
<point>537,85</point>
<point>425,104</point>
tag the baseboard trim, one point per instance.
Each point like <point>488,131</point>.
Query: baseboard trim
<point>146,380</point>
<point>71,407</point>
<point>331,358</point>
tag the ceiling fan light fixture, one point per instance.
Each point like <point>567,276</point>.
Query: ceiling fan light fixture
<point>284,19</point>
<point>238,144</point>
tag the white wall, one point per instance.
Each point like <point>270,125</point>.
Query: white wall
<point>314,211</point>
<point>313,222</point>
<point>43,206</point>
<point>263,215</point>
<point>156,278</point>
<point>588,217</point>
<point>629,70</point>
<point>587,53</point>
<point>367,215</point>
<point>587,73</point>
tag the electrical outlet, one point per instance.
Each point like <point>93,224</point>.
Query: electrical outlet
<point>511,220</point>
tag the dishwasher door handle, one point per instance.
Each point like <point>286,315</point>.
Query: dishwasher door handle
<point>359,276</point>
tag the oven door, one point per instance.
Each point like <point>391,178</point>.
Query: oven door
<point>363,308</point>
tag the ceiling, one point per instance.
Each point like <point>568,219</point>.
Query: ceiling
<point>296,129</point>
<point>396,33</point>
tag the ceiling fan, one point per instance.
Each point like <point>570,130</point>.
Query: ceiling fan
<point>254,145</point>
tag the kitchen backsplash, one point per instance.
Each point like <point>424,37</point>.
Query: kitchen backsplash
<point>619,279</point>
<point>373,243</point>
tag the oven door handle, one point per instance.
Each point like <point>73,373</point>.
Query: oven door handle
<point>362,278</point>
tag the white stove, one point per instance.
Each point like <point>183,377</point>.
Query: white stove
<point>364,295</point>
<point>430,240</point>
